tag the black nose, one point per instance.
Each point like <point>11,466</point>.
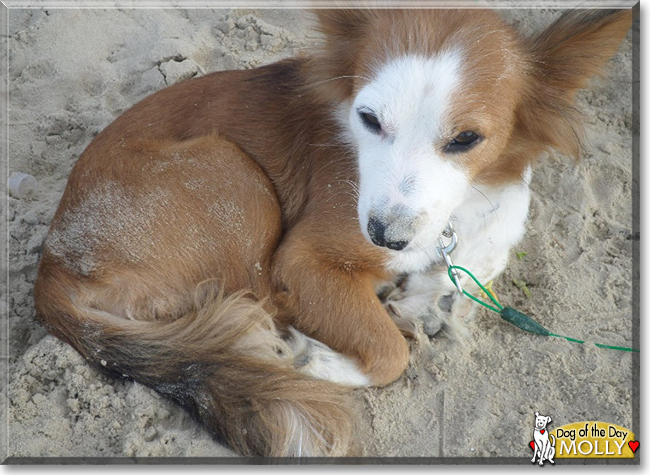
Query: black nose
<point>377,231</point>
<point>396,245</point>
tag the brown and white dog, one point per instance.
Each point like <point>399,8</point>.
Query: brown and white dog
<point>222,241</point>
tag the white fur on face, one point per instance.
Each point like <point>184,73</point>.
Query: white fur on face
<point>404,178</point>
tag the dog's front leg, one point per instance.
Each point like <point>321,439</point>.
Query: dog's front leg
<point>537,450</point>
<point>543,452</point>
<point>432,298</point>
<point>325,288</point>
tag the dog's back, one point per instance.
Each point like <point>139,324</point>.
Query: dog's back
<point>160,252</point>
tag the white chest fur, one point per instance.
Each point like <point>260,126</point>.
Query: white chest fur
<point>489,223</point>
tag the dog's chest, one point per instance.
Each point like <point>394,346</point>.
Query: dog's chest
<point>539,436</point>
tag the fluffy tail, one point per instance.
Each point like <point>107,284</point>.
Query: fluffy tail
<point>223,361</point>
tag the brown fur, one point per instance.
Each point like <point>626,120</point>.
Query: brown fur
<point>237,180</point>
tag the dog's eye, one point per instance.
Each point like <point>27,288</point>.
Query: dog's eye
<point>371,121</point>
<point>463,142</point>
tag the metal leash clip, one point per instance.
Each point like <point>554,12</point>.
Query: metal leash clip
<point>445,251</point>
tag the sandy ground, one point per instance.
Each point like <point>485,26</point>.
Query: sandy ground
<point>74,71</point>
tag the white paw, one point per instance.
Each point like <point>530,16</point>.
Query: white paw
<point>321,362</point>
<point>430,311</point>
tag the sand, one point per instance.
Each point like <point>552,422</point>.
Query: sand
<point>71,72</point>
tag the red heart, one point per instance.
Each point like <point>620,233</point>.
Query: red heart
<point>542,431</point>
<point>634,444</point>
<point>532,444</point>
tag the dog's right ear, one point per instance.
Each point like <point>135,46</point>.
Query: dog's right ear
<point>343,31</point>
<point>342,24</point>
<point>536,413</point>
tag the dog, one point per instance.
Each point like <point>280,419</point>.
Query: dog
<point>544,447</point>
<point>223,241</point>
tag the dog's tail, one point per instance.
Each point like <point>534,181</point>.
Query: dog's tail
<point>222,360</point>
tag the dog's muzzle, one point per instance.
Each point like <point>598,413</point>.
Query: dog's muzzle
<point>377,233</point>
<point>394,229</point>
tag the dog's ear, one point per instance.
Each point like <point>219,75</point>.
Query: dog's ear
<point>334,65</point>
<point>561,59</point>
<point>548,419</point>
<point>536,413</point>
<point>342,24</point>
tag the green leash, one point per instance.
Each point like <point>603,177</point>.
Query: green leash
<point>515,317</point>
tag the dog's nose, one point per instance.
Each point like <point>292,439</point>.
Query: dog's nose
<point>377,233</point>
<point>396,245</point>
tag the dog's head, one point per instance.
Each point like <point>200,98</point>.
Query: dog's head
<point>541,421</point>
<point>436,101</point>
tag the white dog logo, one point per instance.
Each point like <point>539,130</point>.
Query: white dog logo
<point>544,447</point>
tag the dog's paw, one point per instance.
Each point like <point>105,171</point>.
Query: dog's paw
<point>424,304</point>
<point>430,313</point>
<point>407,326</point>
<point>321,362</point>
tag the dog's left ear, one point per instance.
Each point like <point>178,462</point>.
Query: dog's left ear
<point>562,58</point>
